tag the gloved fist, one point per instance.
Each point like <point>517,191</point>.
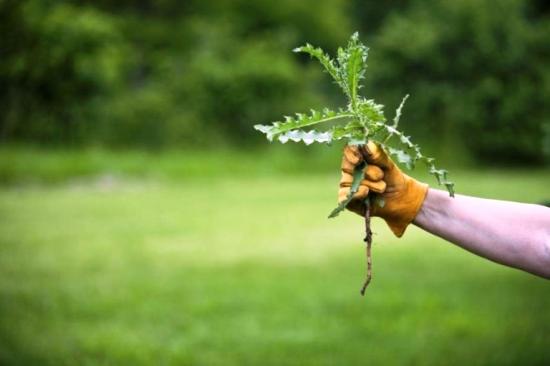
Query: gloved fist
<point>403,196</point>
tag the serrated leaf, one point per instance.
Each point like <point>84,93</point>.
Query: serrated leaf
<point>306,137</point>
<point>451,188</point>
<point>300,121</point>
<point>413,151</point>
<point>323,58</point>
<point>352,67</point>
<point>357,178</point>
<point>372,114</point>
<point>356,140</point>
<point>406,140</point>
<point>402,157</point>
<point>398,111</point>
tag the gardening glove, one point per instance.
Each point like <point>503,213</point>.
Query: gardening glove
<point>403,196</point>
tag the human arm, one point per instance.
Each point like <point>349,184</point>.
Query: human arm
<point>510,233</point>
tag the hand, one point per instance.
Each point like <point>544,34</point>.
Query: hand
<point>403,196</point>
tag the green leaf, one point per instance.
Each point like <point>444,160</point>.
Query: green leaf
<point>352,66</point>
<point>323,58</point>
<point>413,154</point>
<point>441,176</point>
<point>398,111</point>
<point>371,113</point>
<point>300,121</point>
<point>306,137</point>
<point>451,188</point>
<point>357,178</point>
<point>402,157</point>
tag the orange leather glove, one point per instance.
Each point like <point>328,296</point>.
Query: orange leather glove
<point>403,195</point>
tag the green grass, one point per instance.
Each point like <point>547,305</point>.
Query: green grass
<point>229,270</point>
<point>20,164</point>
<point>30,164</point>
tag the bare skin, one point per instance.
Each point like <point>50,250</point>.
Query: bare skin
<point>510,233</point>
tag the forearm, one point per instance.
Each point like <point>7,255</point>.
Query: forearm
<point>514,234</point>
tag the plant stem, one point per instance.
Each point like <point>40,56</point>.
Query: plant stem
<point>365,152</point>
<point>368,241</point>
<point>314,122</point>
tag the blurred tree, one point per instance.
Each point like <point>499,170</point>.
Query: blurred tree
<point>55,59</point>
<point>477,71</point>
<point>181,73</point>
<point>157,73</point>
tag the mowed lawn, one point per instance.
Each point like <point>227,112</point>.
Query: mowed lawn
<point>248,271</point>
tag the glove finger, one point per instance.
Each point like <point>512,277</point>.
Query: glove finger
<point>378,187</point>
<point>347,166</point>
<point>357,204</point>
<point>377,156</point>
<point>350,158</point>
<point>373,173</point>
<point>352,154</point>
<point>361,193</point>
<point>346,179</point>
<point>343,194</point>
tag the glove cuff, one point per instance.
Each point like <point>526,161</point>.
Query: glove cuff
<point>410,204</point>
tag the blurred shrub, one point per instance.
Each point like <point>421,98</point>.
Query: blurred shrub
<point>477,71</point>
<point>171,73</point>
<point>157,73</point>
<point>56,58</point>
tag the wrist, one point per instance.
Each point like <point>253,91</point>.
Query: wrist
<point>431,209</point>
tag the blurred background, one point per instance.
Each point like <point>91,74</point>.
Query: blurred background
<point>144,221</point>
